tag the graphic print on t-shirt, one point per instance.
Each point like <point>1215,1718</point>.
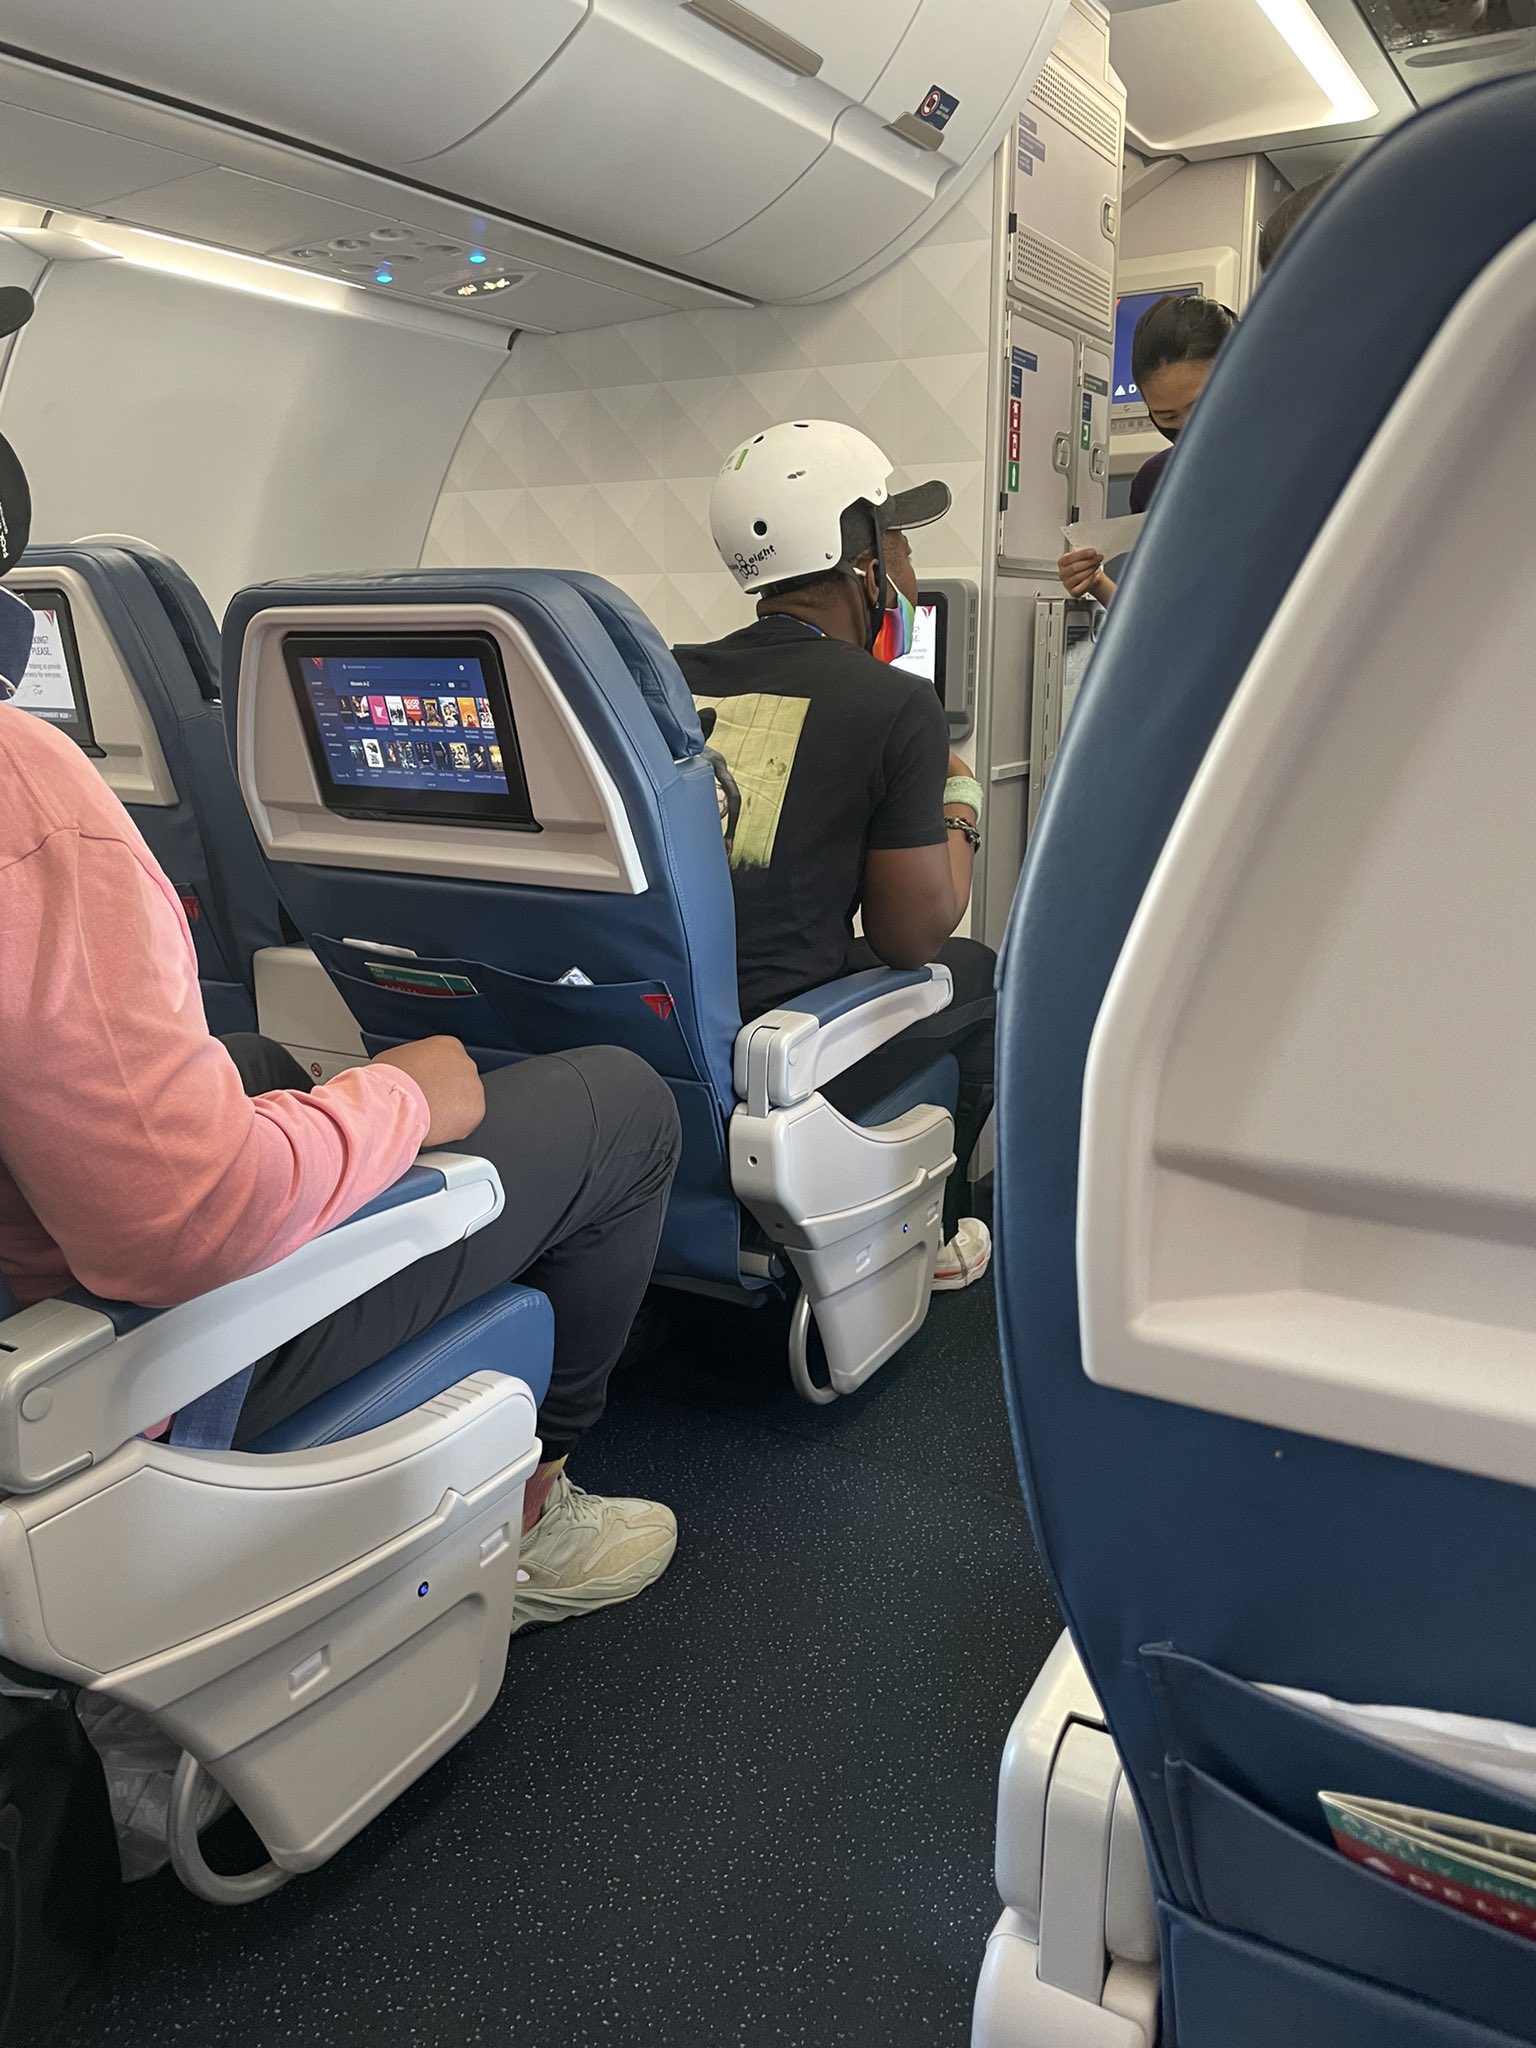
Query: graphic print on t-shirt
<point>758,737</point>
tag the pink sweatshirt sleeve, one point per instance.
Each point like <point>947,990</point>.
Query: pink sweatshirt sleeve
<point>125,1126</point>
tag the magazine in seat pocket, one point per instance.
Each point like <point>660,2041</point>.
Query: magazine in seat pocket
<point>402,1000</point>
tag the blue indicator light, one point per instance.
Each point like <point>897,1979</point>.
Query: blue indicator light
<point>423,1590</point>
<point>383,277</point>
<point>477,255</point>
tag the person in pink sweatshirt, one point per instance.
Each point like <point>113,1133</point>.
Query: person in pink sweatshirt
<point>149,1162</point>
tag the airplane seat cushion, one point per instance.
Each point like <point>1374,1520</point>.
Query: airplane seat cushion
<point>510,1330</point>
<point>1268,1555</point>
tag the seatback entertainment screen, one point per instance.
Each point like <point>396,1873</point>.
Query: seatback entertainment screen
<point>53,686</point>
<point>414,726</point>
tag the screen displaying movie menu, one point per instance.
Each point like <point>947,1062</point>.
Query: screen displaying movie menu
<point>416,726</point>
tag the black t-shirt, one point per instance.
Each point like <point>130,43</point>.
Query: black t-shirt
<point>833,753</point>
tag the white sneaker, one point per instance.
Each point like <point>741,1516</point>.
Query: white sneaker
<point>586,1552</point>
<point>965,1259</point>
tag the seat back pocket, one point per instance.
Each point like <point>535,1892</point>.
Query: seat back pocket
<point>1254,1875</point>
<point>502,1015</point>
<point>1233,1993</point>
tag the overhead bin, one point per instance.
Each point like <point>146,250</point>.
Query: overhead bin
<point>654,131</point>
<point>889,170</point>
<point>861,194</point>
<point>781,150</point>
<point>385,85</point>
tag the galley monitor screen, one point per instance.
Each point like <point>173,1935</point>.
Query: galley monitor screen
<point>53,686</point>
<point>928,654</point>
<point>414,726</point>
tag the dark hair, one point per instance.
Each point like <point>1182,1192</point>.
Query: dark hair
<point>1178,331</point>
<point>1286,215</point>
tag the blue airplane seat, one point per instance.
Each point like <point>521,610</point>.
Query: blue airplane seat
<point>605,917</point>
<point>1263,1264</point>
<point>147,651</point>
<point>313,1620</point>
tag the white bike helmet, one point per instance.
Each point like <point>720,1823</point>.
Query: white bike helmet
<point>777,507</point>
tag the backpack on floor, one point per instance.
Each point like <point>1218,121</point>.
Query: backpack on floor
<point>60,1888</point>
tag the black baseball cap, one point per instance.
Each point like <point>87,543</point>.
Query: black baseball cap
<point>16,308</point>
<point>920,506</point>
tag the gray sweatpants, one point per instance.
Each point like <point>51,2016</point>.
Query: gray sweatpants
<point>586,1143</point>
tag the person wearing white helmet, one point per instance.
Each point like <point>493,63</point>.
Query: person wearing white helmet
<point>845,797</point>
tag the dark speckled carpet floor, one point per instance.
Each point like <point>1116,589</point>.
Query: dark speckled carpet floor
<point>754,1807</point>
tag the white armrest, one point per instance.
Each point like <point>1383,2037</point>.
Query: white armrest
<point>72,1389</point>
<point>784,1056</point>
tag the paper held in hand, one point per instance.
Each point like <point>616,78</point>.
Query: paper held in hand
<point>1111,537</point>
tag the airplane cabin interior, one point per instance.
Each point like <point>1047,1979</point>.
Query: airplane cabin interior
<point>1085,1359</point>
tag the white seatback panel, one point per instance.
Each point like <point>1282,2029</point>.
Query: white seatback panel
<point>131,761</point>
<point>1308,1168</point>
<point>585,840</point>
<point>316,1627</point>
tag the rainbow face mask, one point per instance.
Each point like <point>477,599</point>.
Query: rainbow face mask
<point>897,629</point>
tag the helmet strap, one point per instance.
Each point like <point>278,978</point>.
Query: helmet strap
<point>876,611</point>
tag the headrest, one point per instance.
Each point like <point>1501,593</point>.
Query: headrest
<point>185,606</point>
<point>649,660</point>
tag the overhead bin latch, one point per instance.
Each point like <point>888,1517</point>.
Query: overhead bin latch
<point>763,36</point>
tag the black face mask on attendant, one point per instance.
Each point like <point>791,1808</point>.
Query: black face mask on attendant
<point>1168,433</point>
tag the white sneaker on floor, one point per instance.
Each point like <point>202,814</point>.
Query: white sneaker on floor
<point>965,1259</point>
<point>586,1552</point>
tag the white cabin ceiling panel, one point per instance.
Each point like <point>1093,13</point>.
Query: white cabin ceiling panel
<point>1219,78</point>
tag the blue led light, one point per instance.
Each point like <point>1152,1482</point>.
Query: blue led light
<point>383,277</point>
<point>423,1590</point>
<point>477,255</point>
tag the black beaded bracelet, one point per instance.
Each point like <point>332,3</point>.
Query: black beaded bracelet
<point>972,833</point>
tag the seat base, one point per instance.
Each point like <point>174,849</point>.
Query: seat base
<point>1073,1963</point>
<point>857,1210</point>
<point>1016,2008</point>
